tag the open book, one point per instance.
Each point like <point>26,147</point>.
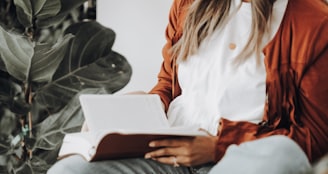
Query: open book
<point>121,126</point>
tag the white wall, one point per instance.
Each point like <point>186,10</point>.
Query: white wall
<point>140,35</point>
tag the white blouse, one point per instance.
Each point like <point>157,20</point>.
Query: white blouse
<point>212,86</point>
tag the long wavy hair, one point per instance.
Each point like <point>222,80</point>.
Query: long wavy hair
<point>205,16</point>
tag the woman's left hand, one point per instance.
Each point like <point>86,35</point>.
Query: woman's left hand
<point>184,151</point>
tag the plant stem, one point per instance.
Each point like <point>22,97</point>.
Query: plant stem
<point>30,120</point>
<point>29,113</point>
<point>28,95</point>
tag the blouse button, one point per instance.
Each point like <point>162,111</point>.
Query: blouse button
<point>232,46</point>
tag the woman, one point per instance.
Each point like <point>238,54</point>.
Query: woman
<point>251,73</point>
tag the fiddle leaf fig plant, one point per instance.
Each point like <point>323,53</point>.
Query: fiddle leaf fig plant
<point>41,78</point>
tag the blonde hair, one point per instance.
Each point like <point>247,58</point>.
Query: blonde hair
<point>204,16</point>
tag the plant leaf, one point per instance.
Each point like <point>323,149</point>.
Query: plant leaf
<point>92,41</point>
<point>16,52</point>
<point>12,96</point>
<point>111,72</point>
<point>50,132</point>
<point>39,165</point>
<point>66,8</point>
<point>7,122</point>
<point>24,12</point>
<point>2,65</point>
<point>47,59</point>
<point>23,168</point>
<point>37,5</point>
<point>89,63</point>
<point>44,9</point>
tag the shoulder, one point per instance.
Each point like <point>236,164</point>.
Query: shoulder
<point>180,6</point>
<point>182,3</point>
<point>303,32</point>
<point>178,13</point>
<point>305,10</point>
<point>307,19</point>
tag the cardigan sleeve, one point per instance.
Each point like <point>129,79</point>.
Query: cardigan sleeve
<point>164,86</point>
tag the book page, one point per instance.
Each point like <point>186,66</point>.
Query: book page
<point>82,143</point>
<point>119,112</point>
<point>179,131</point>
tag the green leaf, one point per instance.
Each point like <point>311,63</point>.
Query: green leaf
<point>44,9</point>
<point>66,8</point>
<point>92,41</point>
<point>39,165</point>
<point>29,64</point>
<point>7,122</point>
<point>29,10</point>
<point>47,59</point>
<point>89,63</point>
<point>2,65</point>
<point>3,168</point>
<point>16,52</point>
<point>12,96</point>
<point>37,5</point>
<point>4,147</point>
<point>24,12</point>
<point>24,168</point>
<point>50,132</point>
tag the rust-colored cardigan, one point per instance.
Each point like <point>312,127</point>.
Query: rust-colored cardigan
<point>296,63</point>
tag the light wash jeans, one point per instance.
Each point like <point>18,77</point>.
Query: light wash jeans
<point>272,155</point>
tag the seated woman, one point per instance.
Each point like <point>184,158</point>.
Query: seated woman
<point>252,73</point>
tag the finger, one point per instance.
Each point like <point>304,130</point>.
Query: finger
<point>165,152</point>
<point>171,142</point>
<point>171,160</point>
<point>175,161</point>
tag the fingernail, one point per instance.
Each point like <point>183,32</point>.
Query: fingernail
<point>151,144</point>
<point>147,156</point>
